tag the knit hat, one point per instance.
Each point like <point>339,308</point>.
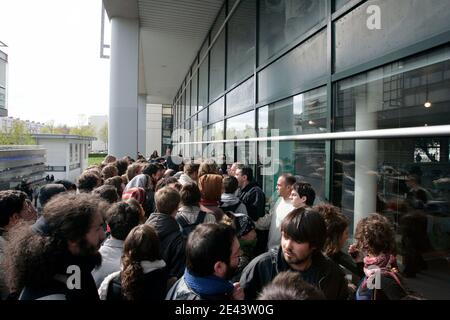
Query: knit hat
<point>136,193</point>
<point>244,224</point>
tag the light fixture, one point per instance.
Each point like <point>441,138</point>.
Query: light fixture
<point>427,104</point>
<point>310,122</point>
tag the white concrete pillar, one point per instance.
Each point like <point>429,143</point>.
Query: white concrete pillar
<point>369,100</point>
<point>123,102</point>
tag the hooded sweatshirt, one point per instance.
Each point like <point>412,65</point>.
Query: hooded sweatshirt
<point>172,243</point>
<point>231,200</point>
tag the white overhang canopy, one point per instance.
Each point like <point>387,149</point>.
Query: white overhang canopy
<point>171,33</point>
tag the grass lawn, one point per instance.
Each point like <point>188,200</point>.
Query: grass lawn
<point>95,160</point>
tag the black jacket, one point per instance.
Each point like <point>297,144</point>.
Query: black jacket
<point>323,273</point>
<point>254,199</point>
<point>181,291</point>
<point>154,283</point>
<point>172,242</point>
<point>58,285</point>
<point>348,263</point>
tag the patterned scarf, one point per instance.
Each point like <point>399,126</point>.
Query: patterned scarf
<point>387,263</point>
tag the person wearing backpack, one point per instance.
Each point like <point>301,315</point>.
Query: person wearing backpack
<point>189,214</point>
<point>229,202</point>
<point>172,242</point>
<point>376,238</point>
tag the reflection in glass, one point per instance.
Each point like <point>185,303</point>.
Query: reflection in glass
<point>203,85</point>
<point>301,114</point>
<point>394,96</point>
<point>282,21</point>
<point>386,176</point>
<point>299,67</point>
<point>241,97</point>
<point>403,23</point>
<point>216,110</point>
<point>241,42</point>
<point>215,131</point>
<point>241,126</point>
<point>194,94</point>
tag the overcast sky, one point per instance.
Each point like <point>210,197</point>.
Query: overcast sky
<point>55,70</point>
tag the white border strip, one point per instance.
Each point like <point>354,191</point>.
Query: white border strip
<point>398,133</point>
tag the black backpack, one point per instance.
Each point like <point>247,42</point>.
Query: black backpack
<point>187,227</point>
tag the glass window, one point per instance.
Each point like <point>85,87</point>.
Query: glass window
<point>302,114</point>
<point>203,77</point>
<point>188,100</point>
<point>216,110</point>
<point>183,106</point>
<point>193,120</point>
<point>304,159</point>
<point>203,85</point>
<point>2,73</point>
<point>217,68</point>
<point>304,64</point>
<point>241,42</point>
<point>403,23</point>
<point>203,117</point>
<point>241,126</point>
<point>218,23</point>
<point>282,21</point>
<point>339,4</point>
<point>241,97</point>
<point>407,181</point>
<point>215,131</point>
<point>194,93</point>
<point>408,93</point>
<point>2,97</point>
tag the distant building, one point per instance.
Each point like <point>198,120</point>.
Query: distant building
<point>98,122</point>
<point>3,86</point>
<point>6,124</point>
<point>67,155</point>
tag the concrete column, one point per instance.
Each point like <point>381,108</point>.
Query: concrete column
<point>142,123</point>
<point>123,102</point>
<point>368,102</point>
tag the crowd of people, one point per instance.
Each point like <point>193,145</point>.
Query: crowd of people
<point>155,230</point>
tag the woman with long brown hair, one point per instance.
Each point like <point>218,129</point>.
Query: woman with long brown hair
<point>143,275</point>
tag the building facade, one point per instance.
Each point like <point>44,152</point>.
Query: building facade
<point>3,86</point>
<point>351,96</point>
<point>159,129</point>
<point>67,155</point>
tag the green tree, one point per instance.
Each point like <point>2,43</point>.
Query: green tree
<point>18,134</point>
<point>85,131</point>
<point>103,134</point>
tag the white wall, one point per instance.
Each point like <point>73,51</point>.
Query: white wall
<point>58,154</point>
<point>154,128</point>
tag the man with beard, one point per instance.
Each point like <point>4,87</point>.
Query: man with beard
<point>303,233</point>
<point>53,258</point>
<point>212,257</point>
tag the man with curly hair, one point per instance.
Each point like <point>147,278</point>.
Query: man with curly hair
<point>53,258</point>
